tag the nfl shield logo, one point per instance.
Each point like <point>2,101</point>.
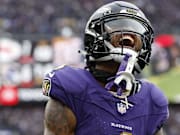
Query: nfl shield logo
<point>121,108</point>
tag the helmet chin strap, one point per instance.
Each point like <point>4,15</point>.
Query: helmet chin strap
<point>124,79</point>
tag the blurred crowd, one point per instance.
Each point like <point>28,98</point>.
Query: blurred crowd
<point>173,125</point>
<point>165,53</point>
<point>22,120</point>
<point>49,17</point>
<point>40,17</point>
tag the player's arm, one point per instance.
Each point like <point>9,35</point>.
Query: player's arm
<point>59,119</point>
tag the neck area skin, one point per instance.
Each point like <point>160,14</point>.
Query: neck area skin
<point>109,67</point>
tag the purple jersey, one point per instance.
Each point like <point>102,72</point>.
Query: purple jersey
<point>98,112</point>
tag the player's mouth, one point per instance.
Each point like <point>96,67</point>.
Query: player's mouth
<point>131,41</point>
<point>127,41</point>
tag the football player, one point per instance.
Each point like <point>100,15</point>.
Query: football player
<point>105,98</point>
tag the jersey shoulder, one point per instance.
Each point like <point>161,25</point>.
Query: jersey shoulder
<point>157,96</point>
<point>69,79</point>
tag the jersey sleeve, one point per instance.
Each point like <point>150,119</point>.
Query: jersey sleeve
<point>52,87</point>
<point>159,110</point>
<point>62,85</point>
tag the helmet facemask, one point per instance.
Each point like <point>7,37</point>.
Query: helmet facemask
<point>114,36</point>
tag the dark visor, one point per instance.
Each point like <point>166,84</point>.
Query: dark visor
<point>124,24</point>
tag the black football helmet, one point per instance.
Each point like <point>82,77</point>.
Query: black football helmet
<point>105,29</point>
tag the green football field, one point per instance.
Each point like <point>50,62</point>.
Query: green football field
<point>170,83</point>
